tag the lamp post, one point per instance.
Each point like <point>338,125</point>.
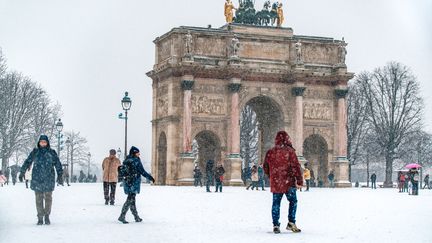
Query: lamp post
<point>89,159</point>
<point>126,105</point>
<point>59,127</point>
<point>67,158</point>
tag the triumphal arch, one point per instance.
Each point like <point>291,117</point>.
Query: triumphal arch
<point>204,77</point>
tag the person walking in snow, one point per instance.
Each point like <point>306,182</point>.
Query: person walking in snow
<point>426,182</point>
<point>415,178</point>
<point>401,181</point>
<point>254,177</point>
<point>307,177</point>
<point>110,176</point>
<point>197,176</point>
<point>219,177</point>
<point>44,160</point>
<point>27,176</point>
<point>331,177</point>
<point>14,173</point>
<point>131,172</point>
<point>7,175</point>
<point>261,181</point>
<point>373,180</point>
<point>283,168</point>
<point>2,178</point>
<point>209,174</point>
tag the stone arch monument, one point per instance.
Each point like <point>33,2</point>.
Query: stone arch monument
<point>203,77</point>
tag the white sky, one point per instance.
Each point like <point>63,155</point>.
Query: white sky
<point>87,53</point>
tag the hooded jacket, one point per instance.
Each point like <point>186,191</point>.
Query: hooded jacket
<point>282,166</point>
<point>134,186</point>
<point>43,161</point>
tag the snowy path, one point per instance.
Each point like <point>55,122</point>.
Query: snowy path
<point>187,214</point>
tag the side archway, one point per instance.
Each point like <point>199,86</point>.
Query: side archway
<point>315,150</point>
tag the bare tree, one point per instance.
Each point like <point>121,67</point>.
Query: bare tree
<point>78,151</point>
<point>249,136</point>
<point>392,94</point>
<point>357,109</point>
<point>18,97</point>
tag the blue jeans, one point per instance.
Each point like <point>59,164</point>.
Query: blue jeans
<point>292,198</point>
<point>218,186</point>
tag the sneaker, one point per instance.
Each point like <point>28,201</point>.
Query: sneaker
<point>47,220</point>
<point>111,203</point>
<point>276,229</point>
<point>293,228</point>
<point>123,220</point>
<point>106,202</point>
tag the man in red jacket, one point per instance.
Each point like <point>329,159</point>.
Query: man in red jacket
<point>283,168</point>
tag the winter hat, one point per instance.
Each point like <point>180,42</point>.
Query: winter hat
<point>133,150</point>
<point>43,138</point>
<point>112,152</point>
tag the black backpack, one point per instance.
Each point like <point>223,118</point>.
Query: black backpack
<point>127,172</point>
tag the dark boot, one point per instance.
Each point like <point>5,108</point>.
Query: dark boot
<point>47,220</point>
<point>135,213</point>
<point>40,221</point>
<point>122,219</point>
<point>106,201</point>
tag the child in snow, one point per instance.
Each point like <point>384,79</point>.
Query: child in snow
<point>220,171</point>
<point>254,177</point>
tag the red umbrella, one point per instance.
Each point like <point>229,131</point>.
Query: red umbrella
<point>413,166</point>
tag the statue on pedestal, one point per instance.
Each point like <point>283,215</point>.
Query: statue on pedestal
<point>228,10</point>
<point>299,57</point>
<point>234,47</point>
<point>342,52</point>
<point>280,15</point>
<point>188,44</point>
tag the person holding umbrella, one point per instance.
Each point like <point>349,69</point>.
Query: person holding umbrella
<point>414,177</point>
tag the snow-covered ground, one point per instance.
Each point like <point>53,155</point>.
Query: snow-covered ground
<point>188,214</point>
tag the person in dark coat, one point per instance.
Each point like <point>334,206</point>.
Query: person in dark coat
<point>331,177</point>
<point>283,168</point>
<point>426,182</point>
<point>209,174</point>
<point>14,173</point>
<point>7,174</point>
<point>373,180</point>
<point>219,176</point>
<point>197,176</point>
<point>261,176</point>
<point>81,177</point>
<point>43,159</point>
<point>132,183</point>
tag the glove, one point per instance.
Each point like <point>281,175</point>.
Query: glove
<point>152,179</point>
<point>21,177</point>
<point>60,180</point>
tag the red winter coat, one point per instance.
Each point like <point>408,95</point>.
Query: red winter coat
<point>282,166</point>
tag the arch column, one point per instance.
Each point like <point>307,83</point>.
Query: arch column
<point>298,92</point>
<point>186,160</point>
<point>234,153</point>
<point>341,163</point>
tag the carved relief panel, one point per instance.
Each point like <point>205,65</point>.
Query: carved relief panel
<point>316,110</point>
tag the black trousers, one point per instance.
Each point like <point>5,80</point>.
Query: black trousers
<point>130,204</point>
<point>109,195</point>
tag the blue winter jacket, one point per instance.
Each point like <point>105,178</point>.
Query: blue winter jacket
<point>134,186</point>
<point>43,160</point>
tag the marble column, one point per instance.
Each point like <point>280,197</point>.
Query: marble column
<point>298,92</point>
<point>187,86</point>
<point>342,122</point>
<point>341,164</point>
<point>235,118</point>
<point>185,162</point>
<point>234,156</point>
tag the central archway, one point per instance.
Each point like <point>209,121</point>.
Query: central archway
<point>209,148</point>
<point>264,121</point>
<point>315,150</point>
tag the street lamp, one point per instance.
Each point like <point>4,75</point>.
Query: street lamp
<point>89,159</point>
<point>59,127</point>
<point>126,105</point>
<point>68,142</point>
